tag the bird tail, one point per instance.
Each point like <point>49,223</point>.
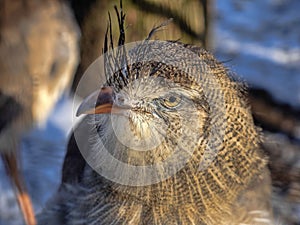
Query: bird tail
<point>11,166</point>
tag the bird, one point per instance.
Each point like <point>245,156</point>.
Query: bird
<point>38,56</point>
<point>167,139</point>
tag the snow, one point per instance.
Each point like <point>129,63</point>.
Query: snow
<point>262,41</point>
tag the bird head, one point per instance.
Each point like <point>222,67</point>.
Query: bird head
<point>153,114</point>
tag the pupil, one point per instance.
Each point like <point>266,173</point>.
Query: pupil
<point>172,99</point>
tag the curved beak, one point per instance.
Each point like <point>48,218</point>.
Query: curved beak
<point>100,102</point>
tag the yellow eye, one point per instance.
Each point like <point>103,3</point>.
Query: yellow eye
<point>171,101</point>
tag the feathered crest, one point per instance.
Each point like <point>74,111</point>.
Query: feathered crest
<point>117,59</point>
<point>114,58</point>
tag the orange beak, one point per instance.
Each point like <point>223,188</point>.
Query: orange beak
<point>100,102</point>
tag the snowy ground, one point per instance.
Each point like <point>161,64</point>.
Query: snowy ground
<point>261,40</point>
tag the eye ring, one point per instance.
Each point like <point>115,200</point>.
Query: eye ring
<point>170,101</point>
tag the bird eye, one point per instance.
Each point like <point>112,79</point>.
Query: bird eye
<point>170,101</point>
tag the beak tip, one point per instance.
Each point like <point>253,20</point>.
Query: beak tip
<point>79,111</point>
<point>78,114</point>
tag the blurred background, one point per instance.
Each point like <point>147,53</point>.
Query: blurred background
<point>257,40</point>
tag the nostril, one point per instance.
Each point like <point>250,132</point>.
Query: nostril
<point>53,69</point>
<point>119,99</point>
